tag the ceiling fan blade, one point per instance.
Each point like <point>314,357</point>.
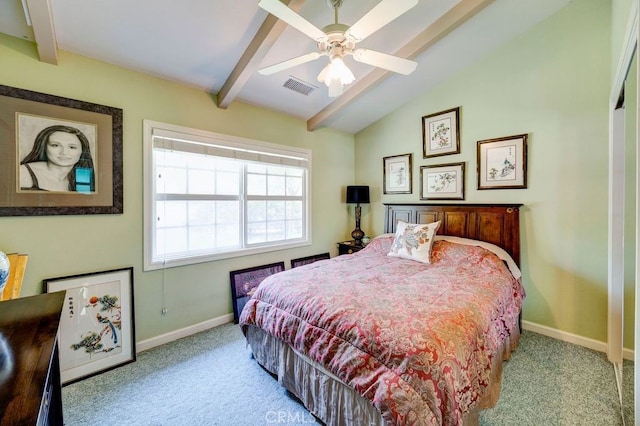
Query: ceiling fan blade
<point>383,13</point>
<point>289,63</point>
<point>284,13</point>
<point>382,60</point>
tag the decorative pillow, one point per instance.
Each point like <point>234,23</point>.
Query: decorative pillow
<point>413,241</point>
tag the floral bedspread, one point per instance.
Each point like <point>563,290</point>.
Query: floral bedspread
<point>415,339</point>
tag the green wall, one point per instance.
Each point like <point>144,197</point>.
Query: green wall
<point>66,245</point>
<point>552,83</point>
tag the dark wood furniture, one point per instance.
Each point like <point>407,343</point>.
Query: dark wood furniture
<point>497,224</point>
<point>30,391</point>
<point>349,247</point>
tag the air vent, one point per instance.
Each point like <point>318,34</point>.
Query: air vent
<point>299,86</point>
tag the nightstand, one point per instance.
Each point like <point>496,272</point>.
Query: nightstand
<point>348,247</point>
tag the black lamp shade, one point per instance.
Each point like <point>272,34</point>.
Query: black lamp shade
<point>358,194</point>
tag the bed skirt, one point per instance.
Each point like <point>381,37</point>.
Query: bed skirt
<point>331,400</point>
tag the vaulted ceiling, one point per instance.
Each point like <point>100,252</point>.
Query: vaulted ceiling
<point>219,45</point>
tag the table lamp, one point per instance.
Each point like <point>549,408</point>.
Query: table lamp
<point>357,195</point>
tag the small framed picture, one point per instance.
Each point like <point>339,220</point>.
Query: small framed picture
<point>301,261</point>
<point>244,282</point>
<point>442,182</point>
<point>397,174</point>
<point>441,133</point>
<point>502,163</point>
<point>97,323</point>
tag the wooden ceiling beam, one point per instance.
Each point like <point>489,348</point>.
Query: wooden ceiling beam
<point>444,25</point>
<point>263,41</point>
<point>39,13</point>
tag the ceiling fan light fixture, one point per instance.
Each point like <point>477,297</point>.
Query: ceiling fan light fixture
<point>336,75</point>
<point>340,71</point>
<point>335,88</point>
<point>336,40</point>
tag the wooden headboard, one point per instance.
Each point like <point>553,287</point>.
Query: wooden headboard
<point>498,224</point>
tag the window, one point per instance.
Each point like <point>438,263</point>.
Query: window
<point>210,196</point>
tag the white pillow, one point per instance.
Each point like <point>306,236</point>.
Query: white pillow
<point>413,241</point>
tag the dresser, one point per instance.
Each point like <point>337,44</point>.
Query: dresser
<point>30,391</point>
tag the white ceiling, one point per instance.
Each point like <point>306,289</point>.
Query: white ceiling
<point>200,42</point>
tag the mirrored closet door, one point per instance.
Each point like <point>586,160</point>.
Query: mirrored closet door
<point>624,223</point>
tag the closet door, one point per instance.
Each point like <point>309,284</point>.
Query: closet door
<point>624,222</point>
<point>630,239</point>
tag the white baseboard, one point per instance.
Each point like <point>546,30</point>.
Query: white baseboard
<point>527,325</point>
<point>144,345</point>
<point>572,338</point>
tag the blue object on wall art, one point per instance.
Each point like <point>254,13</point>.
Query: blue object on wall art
<point>84,176</point>
<point>4,271</point>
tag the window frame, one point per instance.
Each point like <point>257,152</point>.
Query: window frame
<point>207,138</point>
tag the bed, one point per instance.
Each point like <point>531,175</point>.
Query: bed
<point>413,329</point>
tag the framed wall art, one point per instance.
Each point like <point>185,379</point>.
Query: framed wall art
<point>397,174</point>
<point>97,323</point>
<point>441,133</point>
<point>442,182</point>
<point>244,283</point>
<point>502,163</point>
<point>301,261</point>
<point>60,156</point>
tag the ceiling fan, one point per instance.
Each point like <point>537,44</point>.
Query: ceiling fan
<point>338,40</point>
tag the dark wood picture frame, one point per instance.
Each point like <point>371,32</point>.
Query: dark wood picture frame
<point>244,282</point>
<point>397,178</point>
<point>441,133</point>
<point>25,115</point>
<point>97,325</point>
<point>442,181</point>
<point>502,162</point>
<point>309,259</point>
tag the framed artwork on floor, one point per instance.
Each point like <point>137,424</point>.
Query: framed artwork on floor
<point>244,283</point>
<point>502,163</point>
<point>97,323</point>
<point>442,182</point>
<point>309,259</point>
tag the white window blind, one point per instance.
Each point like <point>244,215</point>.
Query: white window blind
<point>210,196</point>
